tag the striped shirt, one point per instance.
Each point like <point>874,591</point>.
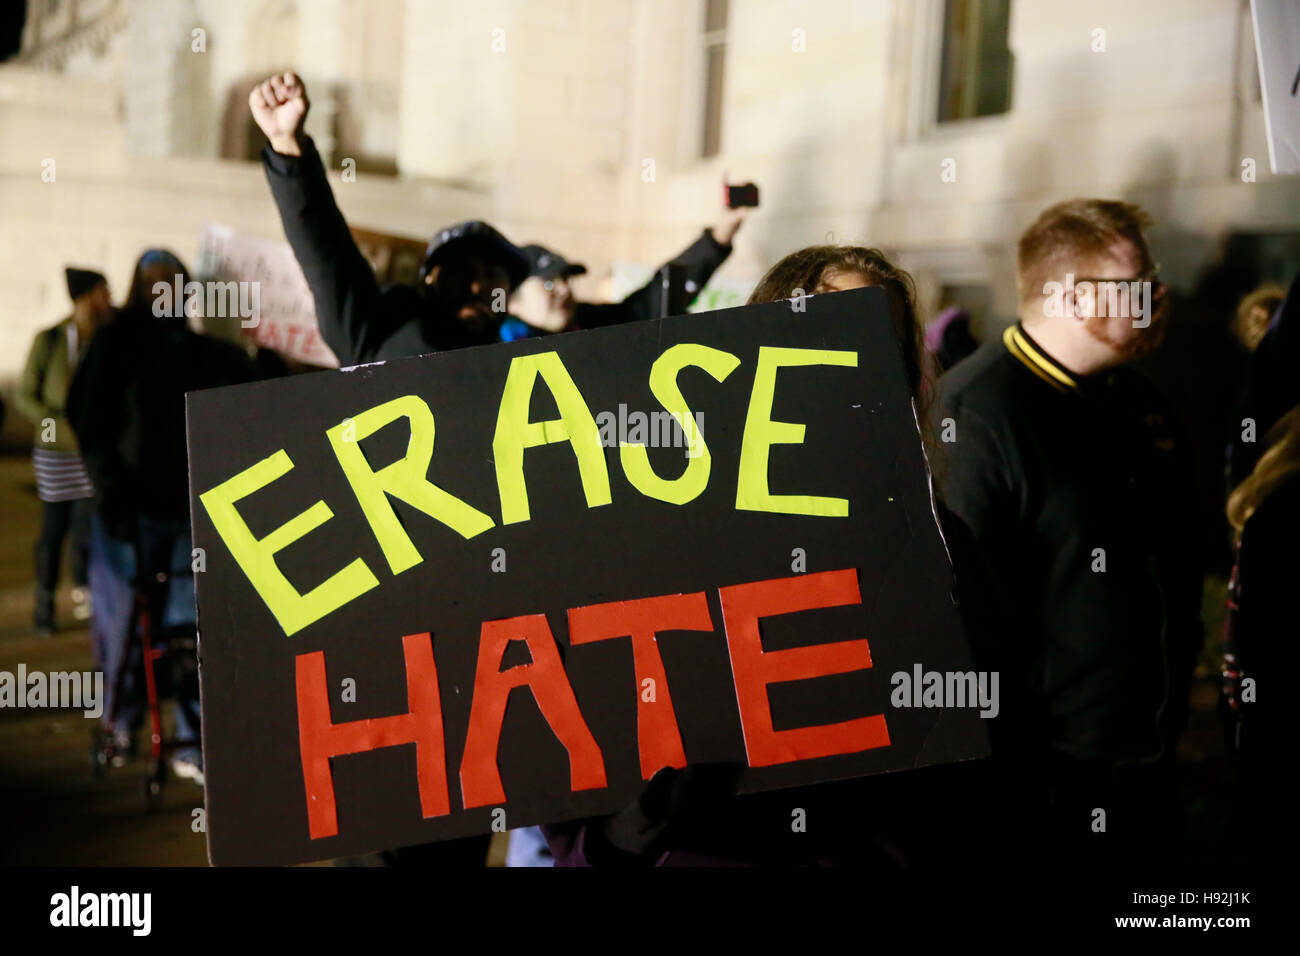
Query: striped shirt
<point>60,475</point>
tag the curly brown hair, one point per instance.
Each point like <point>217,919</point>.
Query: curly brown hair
<point>807,270</point>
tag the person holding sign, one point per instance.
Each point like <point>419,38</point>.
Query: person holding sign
<point>467,276</point>
<point>694,817</point>
<point>468,272</point>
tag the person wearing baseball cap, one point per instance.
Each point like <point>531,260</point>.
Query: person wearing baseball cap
<point>545,297</point>
<point>546,303</point>
<point>468,273</point>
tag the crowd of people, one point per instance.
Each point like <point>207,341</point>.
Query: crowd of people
<point>1063,483</point>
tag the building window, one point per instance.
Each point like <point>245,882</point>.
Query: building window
<point>714,42</point>
<point>976,64</point>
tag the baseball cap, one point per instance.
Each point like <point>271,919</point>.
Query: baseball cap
<point>477,239</point>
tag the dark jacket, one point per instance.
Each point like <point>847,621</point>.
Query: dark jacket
<point>1266,625</point>
<point>1077,492</point>
<point>127,407</point>
<point>359,321</point>
<point>699,261</point>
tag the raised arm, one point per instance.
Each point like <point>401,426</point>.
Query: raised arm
<point>700,260</point>
<point>342,282</point>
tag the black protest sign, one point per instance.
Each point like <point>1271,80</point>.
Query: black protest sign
<point>502,586</point>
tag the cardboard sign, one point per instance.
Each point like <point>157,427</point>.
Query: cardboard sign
<point>287,315</point>
<point>502,586</point>
<point>286,321</point>
<point>1277,46</point>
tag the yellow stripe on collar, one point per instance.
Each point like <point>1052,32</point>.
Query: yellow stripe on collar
<point>1029,355</point>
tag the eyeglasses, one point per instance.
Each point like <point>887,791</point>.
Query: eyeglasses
<point>1151,275</point>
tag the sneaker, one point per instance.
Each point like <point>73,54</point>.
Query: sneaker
<point>123,747</point>
<point>81,606</point>
<point>187,769</point>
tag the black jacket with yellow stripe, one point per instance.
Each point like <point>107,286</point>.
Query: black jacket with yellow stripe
<point>1078,492</point>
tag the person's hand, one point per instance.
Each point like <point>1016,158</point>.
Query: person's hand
<point>672,802</point>
<point>728,224</point>
<point>730,220</point>
<point>279,106</point>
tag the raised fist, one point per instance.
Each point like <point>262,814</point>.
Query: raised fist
<point>279,106</point>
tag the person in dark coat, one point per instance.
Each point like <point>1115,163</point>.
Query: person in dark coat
<point>930,817</point>
<point>127,407</point>
<point>468,273</point>
<point>1076,480</point>
<point>1272,386</point>
<point>1264,511</point>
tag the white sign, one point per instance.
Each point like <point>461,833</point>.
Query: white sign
<point>1277,44</point>
<point>287,318</point>
<point>718,293</point>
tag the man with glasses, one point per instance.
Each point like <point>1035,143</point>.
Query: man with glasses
<point>468,273</point>
<point>1068,468</point>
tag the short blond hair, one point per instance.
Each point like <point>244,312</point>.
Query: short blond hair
<point>1255,312</point>
<point>1075,230</point>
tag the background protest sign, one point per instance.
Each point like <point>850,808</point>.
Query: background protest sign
<point>287,317</point>
<point>455,550</point>
<point>1277,46</point>
<point>718,292</point>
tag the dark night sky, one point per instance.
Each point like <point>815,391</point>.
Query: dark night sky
<point>12,15</point>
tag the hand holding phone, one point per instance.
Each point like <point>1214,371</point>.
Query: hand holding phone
<point>741,195</point>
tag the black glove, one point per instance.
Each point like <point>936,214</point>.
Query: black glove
<point>673,802</point>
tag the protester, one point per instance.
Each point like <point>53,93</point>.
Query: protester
<point>931,816</point>
<point>1265,512</point>
<point>1074,479</point>
<point>61,480</point>
<point>127,406</point>
<point>545,302</point>
<point>948,337</point>
<point>1272,386</point>
<point>1255,312</point>
<point>468,272</point>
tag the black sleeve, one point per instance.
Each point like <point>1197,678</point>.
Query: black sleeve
<point>96,410</point>
<point>977,480</point>
<point>341,281</point>
<point>701,259</point>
